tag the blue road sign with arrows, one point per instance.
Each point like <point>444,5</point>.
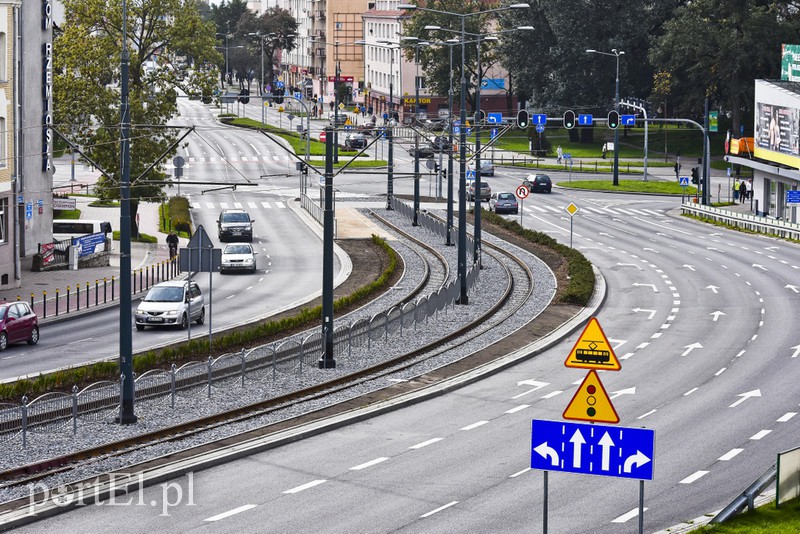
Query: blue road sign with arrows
<point>584,119</point>
<point>539,118</point>
<point>592,449</point>
<point>494,118</point>
<point>628,120</point>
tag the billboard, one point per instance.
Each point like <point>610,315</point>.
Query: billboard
<point>777,124</point>
<point>790,62</point>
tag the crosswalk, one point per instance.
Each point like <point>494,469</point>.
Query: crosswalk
<point>561,210</point>
<point>261,158</point>
<point>203,205</point>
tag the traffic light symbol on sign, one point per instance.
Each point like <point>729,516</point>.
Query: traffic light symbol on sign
<point>591,402</point>
<point>569,119</point>
<point>613,120</point>
<point>522,119</point>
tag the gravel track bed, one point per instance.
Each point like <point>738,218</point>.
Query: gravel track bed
<point>157,414</point>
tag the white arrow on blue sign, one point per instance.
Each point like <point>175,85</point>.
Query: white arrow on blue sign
<point>592,449</point>
<point>539,128</point>
<point>585,119</point>
<point>628,120</point>
<point>298,95</point>
<point>494,118</point>
<point>494,133</point>
<point>539,118</point>
<point>793,196</point>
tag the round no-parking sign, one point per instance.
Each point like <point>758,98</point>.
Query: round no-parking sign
<point>522,192</point>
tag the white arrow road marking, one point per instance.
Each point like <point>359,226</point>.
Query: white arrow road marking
<point>536,385</point>
<point>650,313</point>
<point>690,348</point>
<point>544,451</point>
<point>716,314</point>
<point>606,443</point>
<point>690,267</point>
<point>772,249</point>
<point>629,391</point>
<point>577,443</point>
<point>651,250</point>
<point>638,459</point>
<point>713,288</point>
<point>759,266</point>
<point>637,284</point>
<point>744,396</point>
<point>793,288</point>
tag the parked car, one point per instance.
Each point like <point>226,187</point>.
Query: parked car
<point>538,183</point>
<point>487,167</point>
<point>18,323</point>
<point>238,257</point>
<point>234,223</point>
<point>425,150</point>
<point>440,144</point>
<point>485,194</point>
<point>172,303</point>
<point>355,140</point>
<point>503,203</point>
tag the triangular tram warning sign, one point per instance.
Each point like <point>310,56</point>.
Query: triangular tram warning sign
<point>591,402</point>
<point>592,350</point>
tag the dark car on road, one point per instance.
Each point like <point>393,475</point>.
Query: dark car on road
<point>503,203</point>
<point>538,183</point>
<point>234,224</point>
<point>355,140</point>
<point>18,323</point>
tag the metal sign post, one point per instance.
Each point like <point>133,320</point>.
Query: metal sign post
<point>522,193</point>
<point>572,209</point>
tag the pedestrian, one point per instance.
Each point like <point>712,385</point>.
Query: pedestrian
<point>743,191</point>
<point>559,154</point>
<point>331,104</point>
<point>735,191</point>
<point>605,149</point>
<point>749,189</point>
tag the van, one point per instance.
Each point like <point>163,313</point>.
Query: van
<point>72,229</point>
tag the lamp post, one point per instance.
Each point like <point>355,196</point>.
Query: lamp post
<point>614,53</point>
<point>391,47</point>
<point>417,44</point>
<point>226,56</point>
<point>462,201</point>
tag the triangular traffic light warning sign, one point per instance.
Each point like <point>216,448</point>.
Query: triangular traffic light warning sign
<point>591,402</point>
<point>592,350</point>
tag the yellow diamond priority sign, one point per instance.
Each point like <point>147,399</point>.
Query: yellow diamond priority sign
<point>592,350</point>
<point>591,402</point>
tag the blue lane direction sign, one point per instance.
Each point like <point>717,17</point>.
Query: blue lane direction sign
<point>592,449</point>
<point>793,196</point>
<point>683,181</point>
<point>494,118</point>
<point>298,95</point>
<point>584,119</point>
<point>627,120</point>
<point>539,118</point>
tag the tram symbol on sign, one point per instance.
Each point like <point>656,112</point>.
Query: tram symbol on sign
<point>593,350</point>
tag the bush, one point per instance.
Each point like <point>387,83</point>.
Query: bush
<point>179,215</point>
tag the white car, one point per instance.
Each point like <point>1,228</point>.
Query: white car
<point>487,167</point>
<point>172,303</point>
<point>238,257</point>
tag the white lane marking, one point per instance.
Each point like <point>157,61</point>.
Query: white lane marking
<point>627,517</point>
<point>552,394</point>
<point>690,391</point>
<point>265,204</point>
<point>626,356</point>
<point>281,205</point>
<point>730,455</point>
<point>229,297</point>
<point>237,205</point>
<point>785,417</point>
<point>305,486</point>
<point>252,205</point>
<point>518,473</point>
<point>720,371</point>
<point>651,412</point>
<point>448,505</point>
<point>691,478</point>
<point>474,425</point>
<point>425,443</point>
<point>223,205</point>
<point>760,434</point>
<point>231,512</point>
<point>518,408</point>
<point>369,464</point>
<point>84,340</point>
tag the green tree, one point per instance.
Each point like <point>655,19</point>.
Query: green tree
<point>277,28</point>
<point>86,94</point>
<point>717,48</point>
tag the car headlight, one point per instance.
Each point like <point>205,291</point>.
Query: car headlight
<point>139,311</point>
<point>248,261</point>
<point>172,313</point>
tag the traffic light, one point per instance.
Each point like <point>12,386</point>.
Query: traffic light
<point>244,96</point>
<point>522,119</point>
<point>613,119</point>
<point>695,175</point>
<point>279,95</point>
<point>569,119</point>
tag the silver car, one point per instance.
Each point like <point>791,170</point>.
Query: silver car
<point>487,167</point>
<point>238,257</point>
<point>172,303</point>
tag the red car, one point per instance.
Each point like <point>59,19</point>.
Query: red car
<point>18,323</point>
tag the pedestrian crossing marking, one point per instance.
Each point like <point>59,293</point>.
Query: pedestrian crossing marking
<point>252,204</point>
<point>223,205</point>
<point>265,204</point>
<point>237,205</point>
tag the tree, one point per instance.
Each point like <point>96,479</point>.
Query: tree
<point>86,97</point>
<point>278,30</point>
<point>716,48</point>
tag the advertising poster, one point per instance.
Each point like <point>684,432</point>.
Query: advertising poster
<point>777,128</point>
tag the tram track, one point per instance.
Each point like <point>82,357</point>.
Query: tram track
<point>518,288</point>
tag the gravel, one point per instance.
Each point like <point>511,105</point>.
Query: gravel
<point>156,414</point>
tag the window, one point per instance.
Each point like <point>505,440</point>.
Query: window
<point>3,220</point>
<point>3,67</point>
<point>3,141</point>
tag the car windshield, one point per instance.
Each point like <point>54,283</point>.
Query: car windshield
<point>505,196</point>
<point>165,294</point>
<point>235,217</point>
<point>236,249</point>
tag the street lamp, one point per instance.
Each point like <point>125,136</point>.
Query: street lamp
<point>614,53</point>
<point>462,181</point>
<point>417,44</point>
